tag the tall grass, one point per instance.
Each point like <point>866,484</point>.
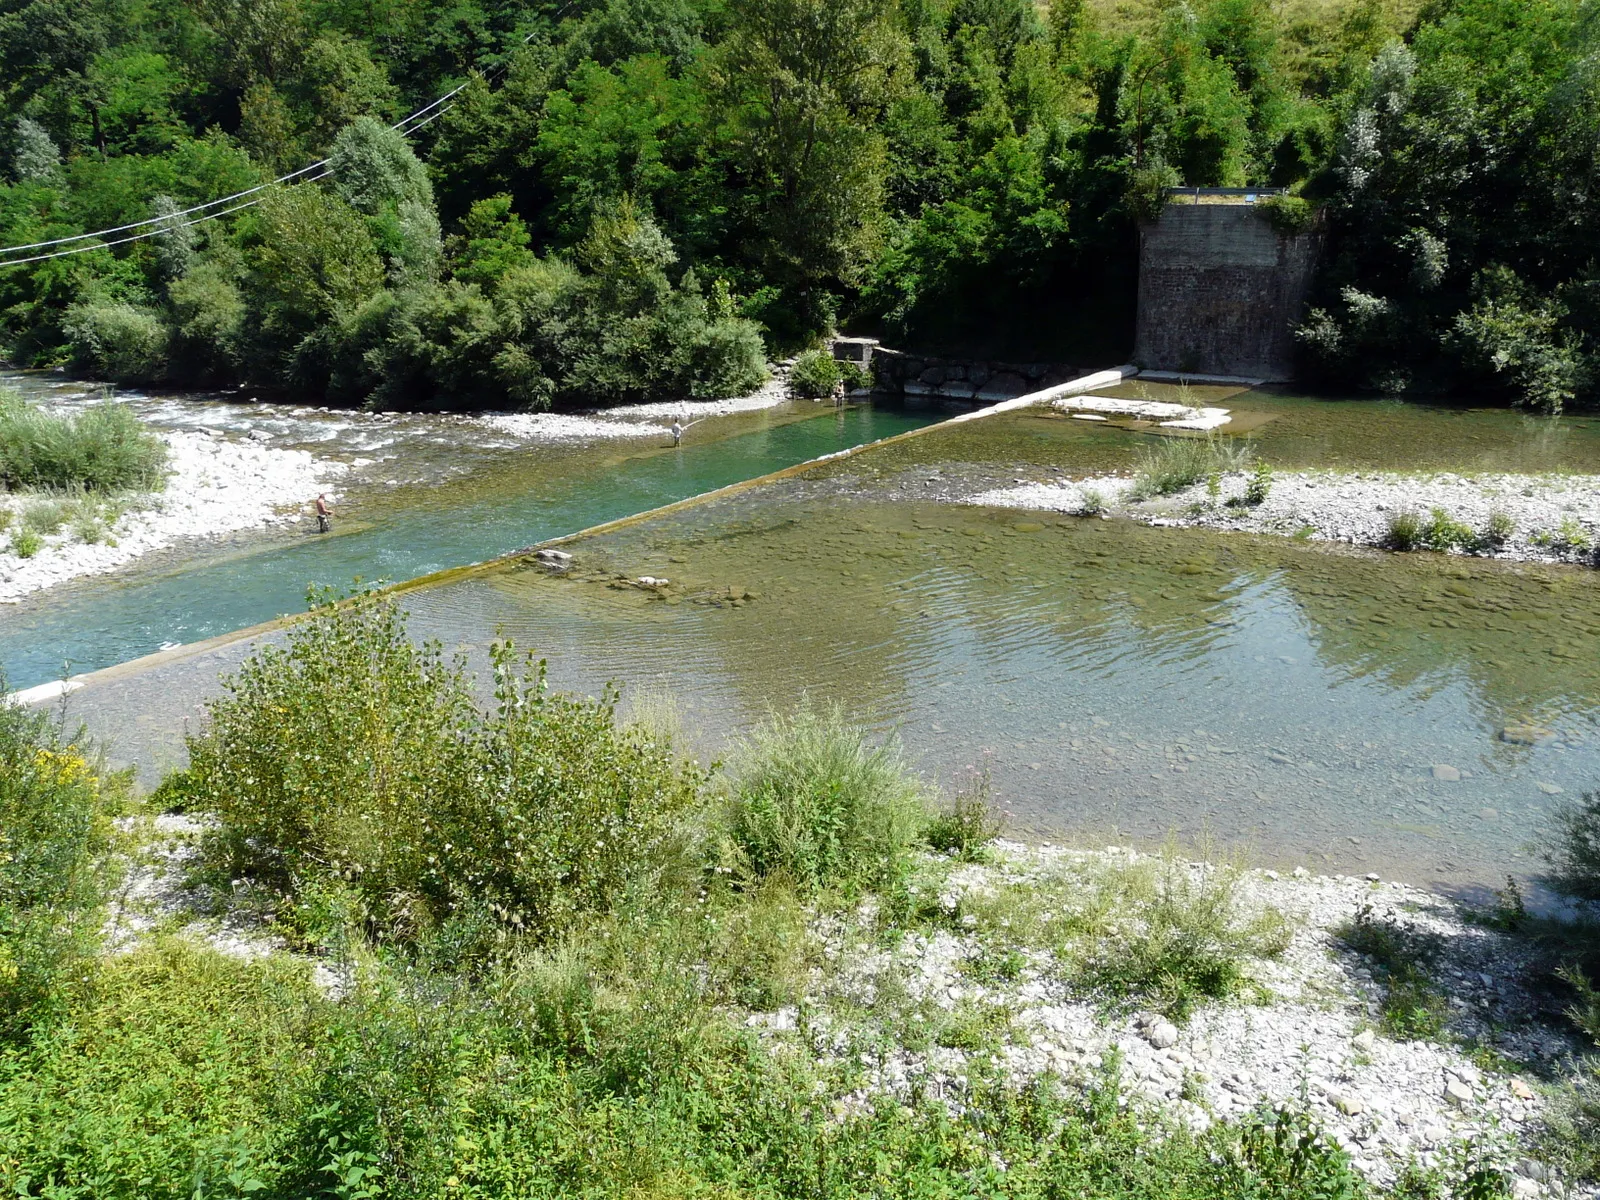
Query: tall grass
<point>1171,464</point>
<point>814,801</point>
<point>1161,931</point>
<point>104,449</point>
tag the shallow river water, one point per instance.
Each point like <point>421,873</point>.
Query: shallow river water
<point>465,493</point>
<point>1344,709</point>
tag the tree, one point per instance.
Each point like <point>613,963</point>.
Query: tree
<point>373,166</point>
<point>175,244</point>
<point>805,81</point>
<point>337,83</point>
<point>35,156</point>
<point>314,262</point>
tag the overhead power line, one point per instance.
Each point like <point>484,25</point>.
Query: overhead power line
<point>166,223</point>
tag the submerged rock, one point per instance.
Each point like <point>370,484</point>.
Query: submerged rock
<point>1527,735</point>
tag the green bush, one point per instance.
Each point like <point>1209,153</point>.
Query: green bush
<point>815,801</point>
<point>352,759</point>
<point>1259,486</point>
<point>1404,530</point>
<point>55,830</point>
<point>118,341</point>
<point>814,375</point>
<point>855,376</point>
<point>1146,194</point>
<point>967,825</point>
<point>1443,532</point>
<point>25,543</point>
<point>1171,464</point>
<point>1186,942</point>
<point>183,1073</point>
<point>45,516</point>
<point>1571,1135</point>
<point>1289,215</point>
<point>1498,529</point>
<point>104,448</point>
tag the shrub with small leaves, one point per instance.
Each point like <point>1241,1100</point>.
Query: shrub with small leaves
<point>1498,529</point>
<point>1443,532</point>
<point>968,825</point>
<point>55,832</point>
<point>1259,487</point>
<point>353,758</point>
<point>1091,502</point>
<point>855,376</point>
<point>814,375</point>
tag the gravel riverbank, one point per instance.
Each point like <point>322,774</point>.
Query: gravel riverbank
<point>1553,518</point>
<point>969,990</point>
<point>216,487</point>
<point>1307,1030</point>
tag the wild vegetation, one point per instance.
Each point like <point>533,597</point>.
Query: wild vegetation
<point>104,449</point>
<point>631,198</point>
<point>537,933</point>
<point>1170,465</point>
<point>71,471</point>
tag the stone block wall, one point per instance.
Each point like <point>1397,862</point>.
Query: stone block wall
<point>1220,291</point>
<point>926,377</point>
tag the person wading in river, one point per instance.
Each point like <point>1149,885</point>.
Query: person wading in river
<point>679,430</point>
<point>324,513</point>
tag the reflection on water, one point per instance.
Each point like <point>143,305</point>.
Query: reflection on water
<point>1290,431</point>
<point>1116,680</point>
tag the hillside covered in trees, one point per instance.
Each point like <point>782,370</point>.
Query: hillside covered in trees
<point>644,198</point>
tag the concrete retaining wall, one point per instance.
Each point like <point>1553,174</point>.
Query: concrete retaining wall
<point>927,377</point>
<point>1220,292</point>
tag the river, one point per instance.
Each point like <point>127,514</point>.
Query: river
<point>1313,704</point>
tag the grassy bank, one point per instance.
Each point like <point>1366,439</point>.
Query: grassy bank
<point>532,950</point>
<point>70,471</point>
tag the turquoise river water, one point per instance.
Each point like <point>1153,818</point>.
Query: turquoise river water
<point>513,498</point>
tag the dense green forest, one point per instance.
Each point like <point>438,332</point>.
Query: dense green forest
<point>646,198</point>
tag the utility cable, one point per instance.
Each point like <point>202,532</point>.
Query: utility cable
<point>166,220</point>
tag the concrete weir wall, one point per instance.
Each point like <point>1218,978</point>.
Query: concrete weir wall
<point>1220,291</point>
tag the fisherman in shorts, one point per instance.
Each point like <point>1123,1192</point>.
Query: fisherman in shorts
<point>324,513</point>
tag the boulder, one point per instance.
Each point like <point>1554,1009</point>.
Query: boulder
<point>1162,1035</point>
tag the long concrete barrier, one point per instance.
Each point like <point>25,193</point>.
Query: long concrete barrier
<point>46,692</point>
